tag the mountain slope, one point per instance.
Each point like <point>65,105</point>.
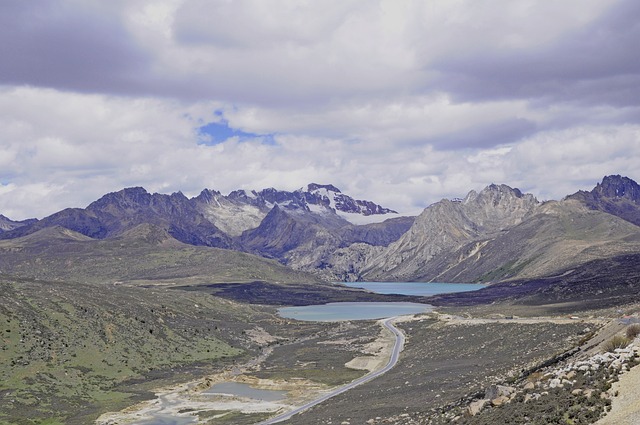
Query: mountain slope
<point>446,226</point>
<point>501,234</point>
<point>117,212</point>
<point>295,238</point>
<point>146,253</point>
<point>7,224</point>
<point>308,241</point>
<point>72,351</point>
<point>244,210</point>
<point>561,234</point>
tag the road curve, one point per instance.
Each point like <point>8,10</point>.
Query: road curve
<point>395,355</point>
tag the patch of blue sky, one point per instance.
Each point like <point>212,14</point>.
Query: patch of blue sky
<point>215,133</point>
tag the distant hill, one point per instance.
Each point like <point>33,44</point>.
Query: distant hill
<point>144,254</point>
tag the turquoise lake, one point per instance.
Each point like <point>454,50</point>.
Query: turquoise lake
<point>415,288</point>
<point>352,311</point>
<point>376,310</point>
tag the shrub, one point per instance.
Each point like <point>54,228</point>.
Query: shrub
<point>633,331</point>
<point>617,341</point>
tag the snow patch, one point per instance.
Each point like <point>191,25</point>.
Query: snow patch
<point>317,209</point>
<point>359,219</point>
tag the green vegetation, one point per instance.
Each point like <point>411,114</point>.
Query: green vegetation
<point>506,271</point>
<point>58,254</point>
<point>72,351</point>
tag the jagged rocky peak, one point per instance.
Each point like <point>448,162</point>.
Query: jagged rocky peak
<point>242,194</point>
<point>311,187</point>
<point>616,195</point>
<point>496,193</point>
<point>122,199</point>
<point>331,197</point>
<point>136,200</point>
<point>498,206</point>
<point>136,192</point>
<point>208,195</point>
<point>616,186</point>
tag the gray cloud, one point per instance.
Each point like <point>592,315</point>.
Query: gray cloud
<point>592,65</point>
<point>487,135</point>
<point>68,46</point>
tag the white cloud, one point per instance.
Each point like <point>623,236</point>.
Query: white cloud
<point>399,101</point>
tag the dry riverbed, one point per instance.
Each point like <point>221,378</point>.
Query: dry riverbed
<point>191,402</point>
<point>448,360</point>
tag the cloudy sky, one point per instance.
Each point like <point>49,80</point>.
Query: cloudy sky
<point>397,101</point>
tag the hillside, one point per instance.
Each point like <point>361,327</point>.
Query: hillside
<point>144,254</point>
<point>446,226</point>
<point>501,234</point>
<point>616,195</point>
<point>561,234</point>
<point>70,351</point>
<point>596,284</point>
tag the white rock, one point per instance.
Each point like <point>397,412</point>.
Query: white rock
<point>555,383</point>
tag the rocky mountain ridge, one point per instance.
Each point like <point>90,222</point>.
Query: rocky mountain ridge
<point>299,228</point>
<point>447,225</point>
<point>242,210</point>
<point>496,234</point>
<point>500,234</point>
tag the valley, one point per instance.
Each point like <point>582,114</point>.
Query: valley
<point>139,303</point>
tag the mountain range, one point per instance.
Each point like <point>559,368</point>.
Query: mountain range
<point>496,234</point>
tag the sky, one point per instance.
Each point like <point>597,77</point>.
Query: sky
<point>396,101</point>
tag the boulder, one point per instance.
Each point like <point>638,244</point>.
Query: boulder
<point>554,383</point>
<point>476,407</point>
<point>500,401</point>
<point>495,391</point>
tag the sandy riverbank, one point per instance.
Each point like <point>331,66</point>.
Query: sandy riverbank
<point>186,400</point>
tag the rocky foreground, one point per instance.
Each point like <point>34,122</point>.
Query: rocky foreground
<point>576,389</point>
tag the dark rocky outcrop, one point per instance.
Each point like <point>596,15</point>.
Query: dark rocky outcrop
<point>615,195</point>
<point>598,283</point>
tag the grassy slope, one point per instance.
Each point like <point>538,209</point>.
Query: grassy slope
<point>70,351</point>
<point>145,254</point>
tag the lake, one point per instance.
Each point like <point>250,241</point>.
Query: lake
<point>376,310</point>
<point>415,288</point>
<point>333,312</point>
